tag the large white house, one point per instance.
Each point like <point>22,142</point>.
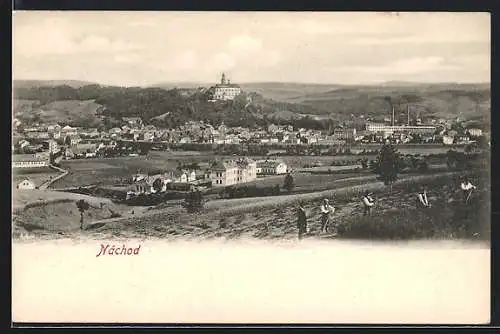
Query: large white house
<point>231,172</point>
<point>475,132</point>
<point>225,90</point>
<point>378,127</point>
<point>271,167</point>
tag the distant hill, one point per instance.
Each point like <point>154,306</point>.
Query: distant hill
<point>49,83</point>
<point>285,102</point>
<point>72,112</point>
<point>173,85</point>
<point>438,101</point>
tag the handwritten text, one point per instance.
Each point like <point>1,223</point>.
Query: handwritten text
<point>116,250</point>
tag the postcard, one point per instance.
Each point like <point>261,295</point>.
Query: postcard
<point>251,167</point>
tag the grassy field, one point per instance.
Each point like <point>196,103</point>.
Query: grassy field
<point>59,111</point>
<point>21,198</point>
<point>307,182</point>
<point>113,171</point>
<point>395,215</point>
<point>51,212</point>
<point>37,176</point>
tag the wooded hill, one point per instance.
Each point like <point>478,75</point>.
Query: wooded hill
<point>319,106</point>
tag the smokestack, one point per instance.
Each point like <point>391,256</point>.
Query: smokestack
<point>388,99</point>
<point>408,115</point>
<point>392,119</point>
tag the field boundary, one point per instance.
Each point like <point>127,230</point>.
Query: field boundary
<point>46,184</point>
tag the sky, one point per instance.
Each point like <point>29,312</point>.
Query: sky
<point>145,48</point>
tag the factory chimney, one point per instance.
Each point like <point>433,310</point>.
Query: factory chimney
<point>388,99</point>
<point>408,115</point>
<point>392,115</point>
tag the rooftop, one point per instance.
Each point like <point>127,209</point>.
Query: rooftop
<point>227,86</point>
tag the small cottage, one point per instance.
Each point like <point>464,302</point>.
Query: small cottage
<point>26,184</point>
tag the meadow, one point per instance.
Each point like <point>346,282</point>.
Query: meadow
<point>37,175</point>
<point>113,171</point>
<point>116,171</point>
<point>395,215</point>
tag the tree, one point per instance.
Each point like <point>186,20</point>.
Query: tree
<point>82,206</point>
<point>158,184</point>
<point>193,201</point>
<point>364,163</point>
<point>277,189</point>
<point>388,165</point>
<point>289,182</point>
<point>423,166</point>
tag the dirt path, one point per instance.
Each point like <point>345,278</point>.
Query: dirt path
<point>47,183</point>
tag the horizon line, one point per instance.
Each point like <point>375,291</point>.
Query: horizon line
<point>268,82</point>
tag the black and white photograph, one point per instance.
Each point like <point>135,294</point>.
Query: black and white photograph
<point>307,154</point>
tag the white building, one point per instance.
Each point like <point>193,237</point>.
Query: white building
<point>231,172</point>
<point>379,127</point>
<point>68,130</point>
<point>475,132</point>
<point>28,161</point>
<point>52,146</point>
<point>183,176</point>
<point>225,90</point>
<point>26,185</point>
<point>344,133</point>
<point>448,140</point>
<point>271,167</point>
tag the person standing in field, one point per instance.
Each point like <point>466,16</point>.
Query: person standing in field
<point>301,220</point>
<point>326,211</point>
<point>368,203</point>
<point>467,188</point>
<point>422,200</point>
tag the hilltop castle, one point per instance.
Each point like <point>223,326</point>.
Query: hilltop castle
<point>224,90</point>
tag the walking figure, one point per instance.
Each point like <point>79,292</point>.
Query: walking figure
<point>326,210</point>
<point>422,200</point>
<point>467,188</point>
<point>368,203</point>
<point>301,220</point>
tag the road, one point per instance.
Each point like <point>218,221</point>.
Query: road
<point>47,183</point>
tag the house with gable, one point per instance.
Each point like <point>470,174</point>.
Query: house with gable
<point>26,184</point>
<point>271,167</point>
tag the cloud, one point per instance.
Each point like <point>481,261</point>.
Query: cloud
<point>437,38</point>
<point>222,62</point>
<point>128,58</point>
<point>103,44</point>
<point>186,60</point>
<point>315,27</point>
<point>243,52</point>
<point>143,23</point>
<point>409,66</point>
<point>287,46</point>
<point>243,44</point>
<point>59,37</point>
